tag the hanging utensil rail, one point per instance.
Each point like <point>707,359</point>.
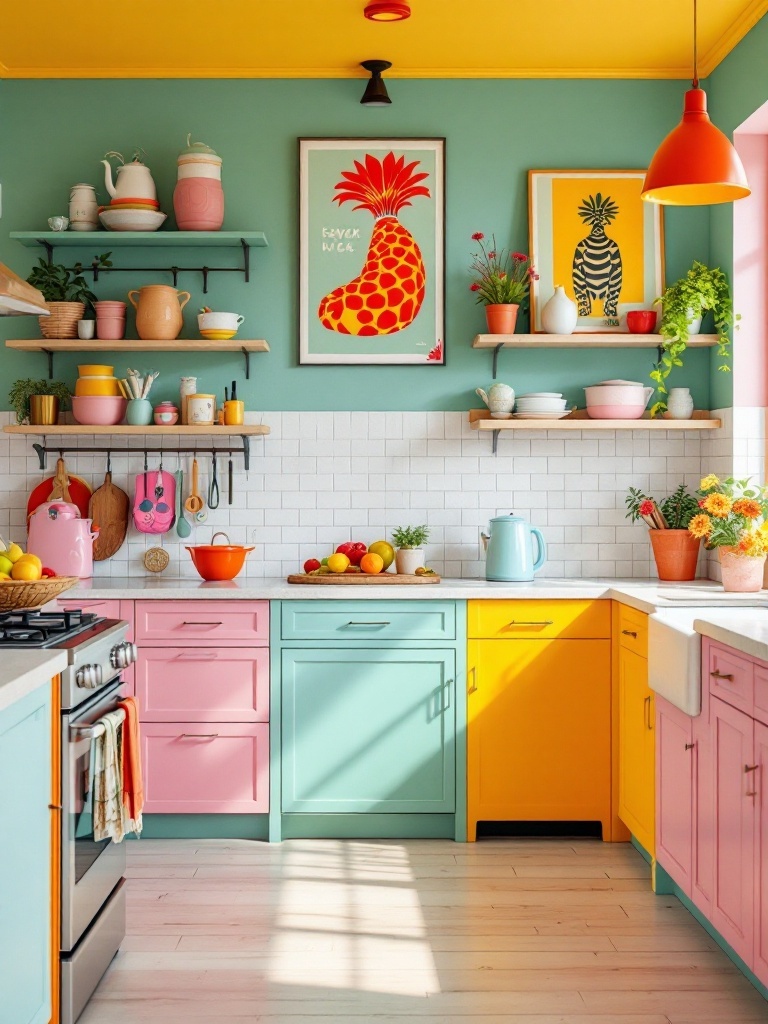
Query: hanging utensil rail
<point>45,450</point>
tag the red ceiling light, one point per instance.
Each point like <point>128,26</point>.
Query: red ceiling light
<point>387,10</point>
<point>696,164</point>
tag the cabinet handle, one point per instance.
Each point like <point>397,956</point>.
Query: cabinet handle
<point>199,735</point>
<point>629,632</point>
<point>473,676</point>
<point>689,746</point>
<point>447,691</point>
<point>202,623</point>
<point>750,768</point>
<point>521,622</point>
<point>196,656</point>
<point>54,807</point>
<point>722,675</point>
<point>369,623</point>
<point>647,712</point>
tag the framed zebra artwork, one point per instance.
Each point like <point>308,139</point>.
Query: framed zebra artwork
<point>371,251</point>
<point>592,233</point>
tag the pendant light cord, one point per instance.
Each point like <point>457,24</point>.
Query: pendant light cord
<point>695,47</point>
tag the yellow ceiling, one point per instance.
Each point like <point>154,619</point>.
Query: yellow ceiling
<point>328,38</point>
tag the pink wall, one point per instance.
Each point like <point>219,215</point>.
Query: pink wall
<point>750,268</point>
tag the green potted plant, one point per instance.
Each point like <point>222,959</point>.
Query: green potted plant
<point>410,554</point>
<point>66,294</point>
<point>39,401</point>
<point>683,304</point>
<point>675,550</point>
<point>501,279</point>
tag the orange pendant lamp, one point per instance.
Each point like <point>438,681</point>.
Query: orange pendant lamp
<point>387,10</point>
<point>696,165</point>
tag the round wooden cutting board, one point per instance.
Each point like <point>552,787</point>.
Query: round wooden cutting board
<point>357,579</point>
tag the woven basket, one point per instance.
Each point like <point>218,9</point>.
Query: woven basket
<point>62,323</point>
<point>24,594</point>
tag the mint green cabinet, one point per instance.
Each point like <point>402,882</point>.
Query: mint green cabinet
<point>25,859</point>
<point>367,729</point>
<point>363,621</point>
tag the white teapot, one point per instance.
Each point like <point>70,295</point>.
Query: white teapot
<point>500,399</point>
<point>133,180</point>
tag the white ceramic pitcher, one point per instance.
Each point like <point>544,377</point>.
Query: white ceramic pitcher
<point>134,180</point>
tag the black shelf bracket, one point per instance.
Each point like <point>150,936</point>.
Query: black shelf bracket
<point>496,360</point>
<point>43,451</point>
<point>49,353</point>
<point>247,355</point>
<point>495,443</point>
<point>246,259</point>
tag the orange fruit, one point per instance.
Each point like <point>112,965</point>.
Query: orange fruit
<point>371,563</point>
<point>337,562</point>
<point>384,550</point>
<point>24,569</point>
<point>31,558</point>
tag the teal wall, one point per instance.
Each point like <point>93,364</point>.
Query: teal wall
<point>55,132</point>
<point>737,88</point>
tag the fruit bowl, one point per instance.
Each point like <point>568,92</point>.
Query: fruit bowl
<point>32,594</point>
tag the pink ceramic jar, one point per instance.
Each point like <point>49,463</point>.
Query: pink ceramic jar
<point>198,199</point>
<point>166,414</point>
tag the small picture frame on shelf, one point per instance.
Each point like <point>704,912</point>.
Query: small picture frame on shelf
<point>591,233</point>
<point>372,241</point>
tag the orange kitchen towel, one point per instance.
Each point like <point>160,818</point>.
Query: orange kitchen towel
<point>133,788</point>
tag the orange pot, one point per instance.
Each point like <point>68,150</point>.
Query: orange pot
<point>501,318</point>
<point>218,561</point>
<point>676,553</point>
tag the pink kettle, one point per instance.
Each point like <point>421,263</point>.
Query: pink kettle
<point>61,539</point>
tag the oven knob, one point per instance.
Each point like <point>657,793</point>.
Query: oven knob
<point>133,653</point>
<point>89,677</point>
<point>121,656</point>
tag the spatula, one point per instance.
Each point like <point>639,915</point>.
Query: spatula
<point>183,529</point>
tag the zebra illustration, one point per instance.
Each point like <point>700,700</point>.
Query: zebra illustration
<point>597,270</point>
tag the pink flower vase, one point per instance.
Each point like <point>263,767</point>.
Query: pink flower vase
<point>742,574</point>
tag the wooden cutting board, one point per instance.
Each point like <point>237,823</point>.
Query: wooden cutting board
<point>109,508</point>
<point>61,487</point>
<point>358,579</point>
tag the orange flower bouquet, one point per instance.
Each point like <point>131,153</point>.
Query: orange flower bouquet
<point>733,518</point>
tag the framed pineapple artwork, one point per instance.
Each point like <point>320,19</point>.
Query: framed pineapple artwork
<point>372,251</point>
<point>592,234</point>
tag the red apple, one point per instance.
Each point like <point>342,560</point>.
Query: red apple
<point>45,572</point>
<point>354,550</point>
<point>311,564</point>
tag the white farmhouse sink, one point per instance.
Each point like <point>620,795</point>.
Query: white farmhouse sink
<point>674,658</point>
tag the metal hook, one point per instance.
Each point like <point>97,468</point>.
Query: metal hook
<point>109,461</point>
<point>146,462</point>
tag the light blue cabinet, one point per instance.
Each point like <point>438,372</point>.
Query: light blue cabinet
<point>364,621</point>
<point>368,729</point>
<point>25,859</point>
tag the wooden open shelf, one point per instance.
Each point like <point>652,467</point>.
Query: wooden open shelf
<point>145,239</point>
<point>608,339</point>
<point>68,429</point>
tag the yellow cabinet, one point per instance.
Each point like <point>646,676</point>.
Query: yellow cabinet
<point>539,729</point>
<point>637,747</point>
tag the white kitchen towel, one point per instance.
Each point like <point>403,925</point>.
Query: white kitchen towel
<point>107,778</point>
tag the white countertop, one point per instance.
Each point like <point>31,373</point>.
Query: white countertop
<point>745,629</point>
<point>21,672</point>
<point>645,595</point>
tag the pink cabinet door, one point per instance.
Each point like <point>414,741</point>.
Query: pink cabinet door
<point>731,675</point>
<point>193,768</point>
<point>703,850</point>
<point>674,792</point>
<point>760,966</point>
<point>761,692</point>
<point>203,684</point>
<point>733,898</point>
<point>202,623</point>
<point>110,610</point>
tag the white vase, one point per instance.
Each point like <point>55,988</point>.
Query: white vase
<point>680,404</point>
<point>559,315</point>
<point>408,560</point>
<point>694,323</point>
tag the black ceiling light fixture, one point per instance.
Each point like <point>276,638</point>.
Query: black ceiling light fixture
<point>375,94</point>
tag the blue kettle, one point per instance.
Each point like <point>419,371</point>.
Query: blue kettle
<point>509,550</point>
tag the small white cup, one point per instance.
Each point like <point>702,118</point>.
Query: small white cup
<point>58,223</point>
<point>86,329</point>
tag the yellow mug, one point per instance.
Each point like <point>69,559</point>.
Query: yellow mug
<point>234,413</point>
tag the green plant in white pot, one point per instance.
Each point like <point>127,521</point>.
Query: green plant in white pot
<point>683,304</point>
<point>409,541</point>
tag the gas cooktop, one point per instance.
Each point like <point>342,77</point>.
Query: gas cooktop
<point>44,629</point>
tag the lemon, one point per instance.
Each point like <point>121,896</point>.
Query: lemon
<point>384,550</point>
<point>5,565</point>
<point>25,570</point>
<point>31,558</point>
<point>337,562</point>
<point>14,552</point>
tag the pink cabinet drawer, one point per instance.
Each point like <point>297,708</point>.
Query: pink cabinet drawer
<point>203,622</point>
<point>191,768</point>
<point>761,693</point>
<point>731,677</point>
<point>109,610</point>
<point>203,684</point>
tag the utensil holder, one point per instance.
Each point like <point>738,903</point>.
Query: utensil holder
<point>234,413</point>
<point>139,412</point>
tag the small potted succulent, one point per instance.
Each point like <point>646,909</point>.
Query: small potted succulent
<point>675,549</point>
<point>733,517</point>
<point>66,294</point>
<point>683,305</point>
<point>409,541</point>
<point>38,401</point>
<point>501,279</point>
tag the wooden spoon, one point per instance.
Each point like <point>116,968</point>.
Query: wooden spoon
<point>194,502</point>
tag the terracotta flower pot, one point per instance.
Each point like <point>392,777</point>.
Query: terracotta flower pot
<point>501,318</point>
<point>742,574</point>
<point>676,553</point>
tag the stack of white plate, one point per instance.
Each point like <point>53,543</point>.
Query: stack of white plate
<point>541,405</point>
